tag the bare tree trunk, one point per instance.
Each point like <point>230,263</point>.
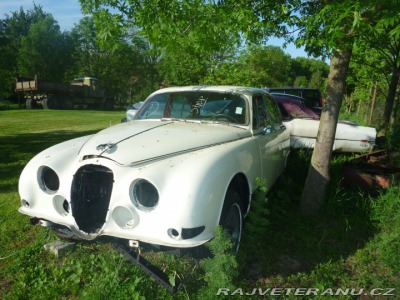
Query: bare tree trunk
<point>389,101</point>
<point>373,103</point>
<point>315,188</point>
<point>361,103</point>
<point>395,113</point>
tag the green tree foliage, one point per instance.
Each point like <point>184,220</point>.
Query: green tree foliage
<point>313,71</point>
<point>258,66</point>
<point>301,81</point>
<point>44,51</point>
<point>366,71</point>
<point>184,68</point>
<point>167,24</point>
<point>12,30</point>
<point>381,33</point>
<point>265,66</point>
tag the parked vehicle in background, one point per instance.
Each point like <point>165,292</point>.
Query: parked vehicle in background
<point>131,111</point>
<point>313,97</point>
<point>187,162</point>
<point>303,124</point>
<point>40,93</point>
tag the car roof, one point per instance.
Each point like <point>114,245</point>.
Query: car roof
<point>287,96</point>
<point>213,88</point>
<point>290,88</point>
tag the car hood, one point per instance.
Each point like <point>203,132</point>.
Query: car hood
<point>140,141</point>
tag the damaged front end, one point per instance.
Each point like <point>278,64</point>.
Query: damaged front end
<point>90,197</point>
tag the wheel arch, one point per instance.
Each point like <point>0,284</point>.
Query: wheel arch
<point>240,184</point>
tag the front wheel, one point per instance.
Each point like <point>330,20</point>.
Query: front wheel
<point>232,218</point>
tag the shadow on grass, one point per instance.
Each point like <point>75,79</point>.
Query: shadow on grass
<point>293,243</point>
<point>17,150</point>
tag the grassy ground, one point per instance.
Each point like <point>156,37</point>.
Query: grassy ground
<point>354,243</point>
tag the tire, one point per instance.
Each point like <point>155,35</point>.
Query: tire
<point>45,103</point>
<point>29,104</point>
<point>232,218</point>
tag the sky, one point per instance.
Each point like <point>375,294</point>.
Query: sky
<point>68,13</point>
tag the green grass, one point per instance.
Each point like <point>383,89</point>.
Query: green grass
<point>353,243</point>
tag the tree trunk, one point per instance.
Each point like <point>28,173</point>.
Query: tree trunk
<point>315,188</point>
<point>389,101</point>
<point>373,103</point>
<point>395,113</point>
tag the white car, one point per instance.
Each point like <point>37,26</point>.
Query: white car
<point>303,124</point>
<point>187,162</point>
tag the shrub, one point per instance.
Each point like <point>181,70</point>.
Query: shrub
<point>221,268</point>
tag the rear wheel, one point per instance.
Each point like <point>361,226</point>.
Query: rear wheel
<point>29,104</point>
<point>232,218</point>
<point>45,104</point>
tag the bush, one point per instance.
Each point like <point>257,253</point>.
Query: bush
<point>221,268</point>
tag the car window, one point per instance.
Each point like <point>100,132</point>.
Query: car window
<point>312,95</point>
<point>154,109</point>
<point>197,105</point>
<point>273,110</point>
<point>260,115</point>
<point>179,107</point>
<point>294,92</point>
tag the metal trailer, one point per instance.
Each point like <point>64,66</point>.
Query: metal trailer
<point>41,93</point>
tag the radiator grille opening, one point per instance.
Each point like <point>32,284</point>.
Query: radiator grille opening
<point>90,197</point>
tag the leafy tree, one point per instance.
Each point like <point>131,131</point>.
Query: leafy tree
<point>367,69</point>
<point>382,33</point>
<point>324,27</point>
<point>12,29</point>
<point>184,68</point>
<point>265,66</point>
<point>121,63</point>
<point>314,72</point>
<point>340,24</point>
<point>301,81</point>
<point>44,51</point>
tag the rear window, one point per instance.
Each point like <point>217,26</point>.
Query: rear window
<point>312,95</point>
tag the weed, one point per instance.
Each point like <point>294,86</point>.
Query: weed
<point>221,268</point>
<point>256,220</point>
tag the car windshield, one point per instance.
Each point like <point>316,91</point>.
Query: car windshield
<point>196,105</point>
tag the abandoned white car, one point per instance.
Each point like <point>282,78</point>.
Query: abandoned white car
<point>303,124</point>
<point>187,162</point>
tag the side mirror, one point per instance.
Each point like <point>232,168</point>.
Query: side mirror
<point>268,129</point>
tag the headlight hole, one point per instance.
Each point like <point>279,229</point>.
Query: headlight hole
<point>61,205</point>
<point>145,194</point>
<point>49,179</point>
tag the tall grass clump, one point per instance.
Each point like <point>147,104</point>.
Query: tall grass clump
<point>386,214</point>
<point>378,263</point>
<point>220,269</point>
<point>256,220</point>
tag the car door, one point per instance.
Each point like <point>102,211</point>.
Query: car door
<point>268,142</point>
<point>282,142</point>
